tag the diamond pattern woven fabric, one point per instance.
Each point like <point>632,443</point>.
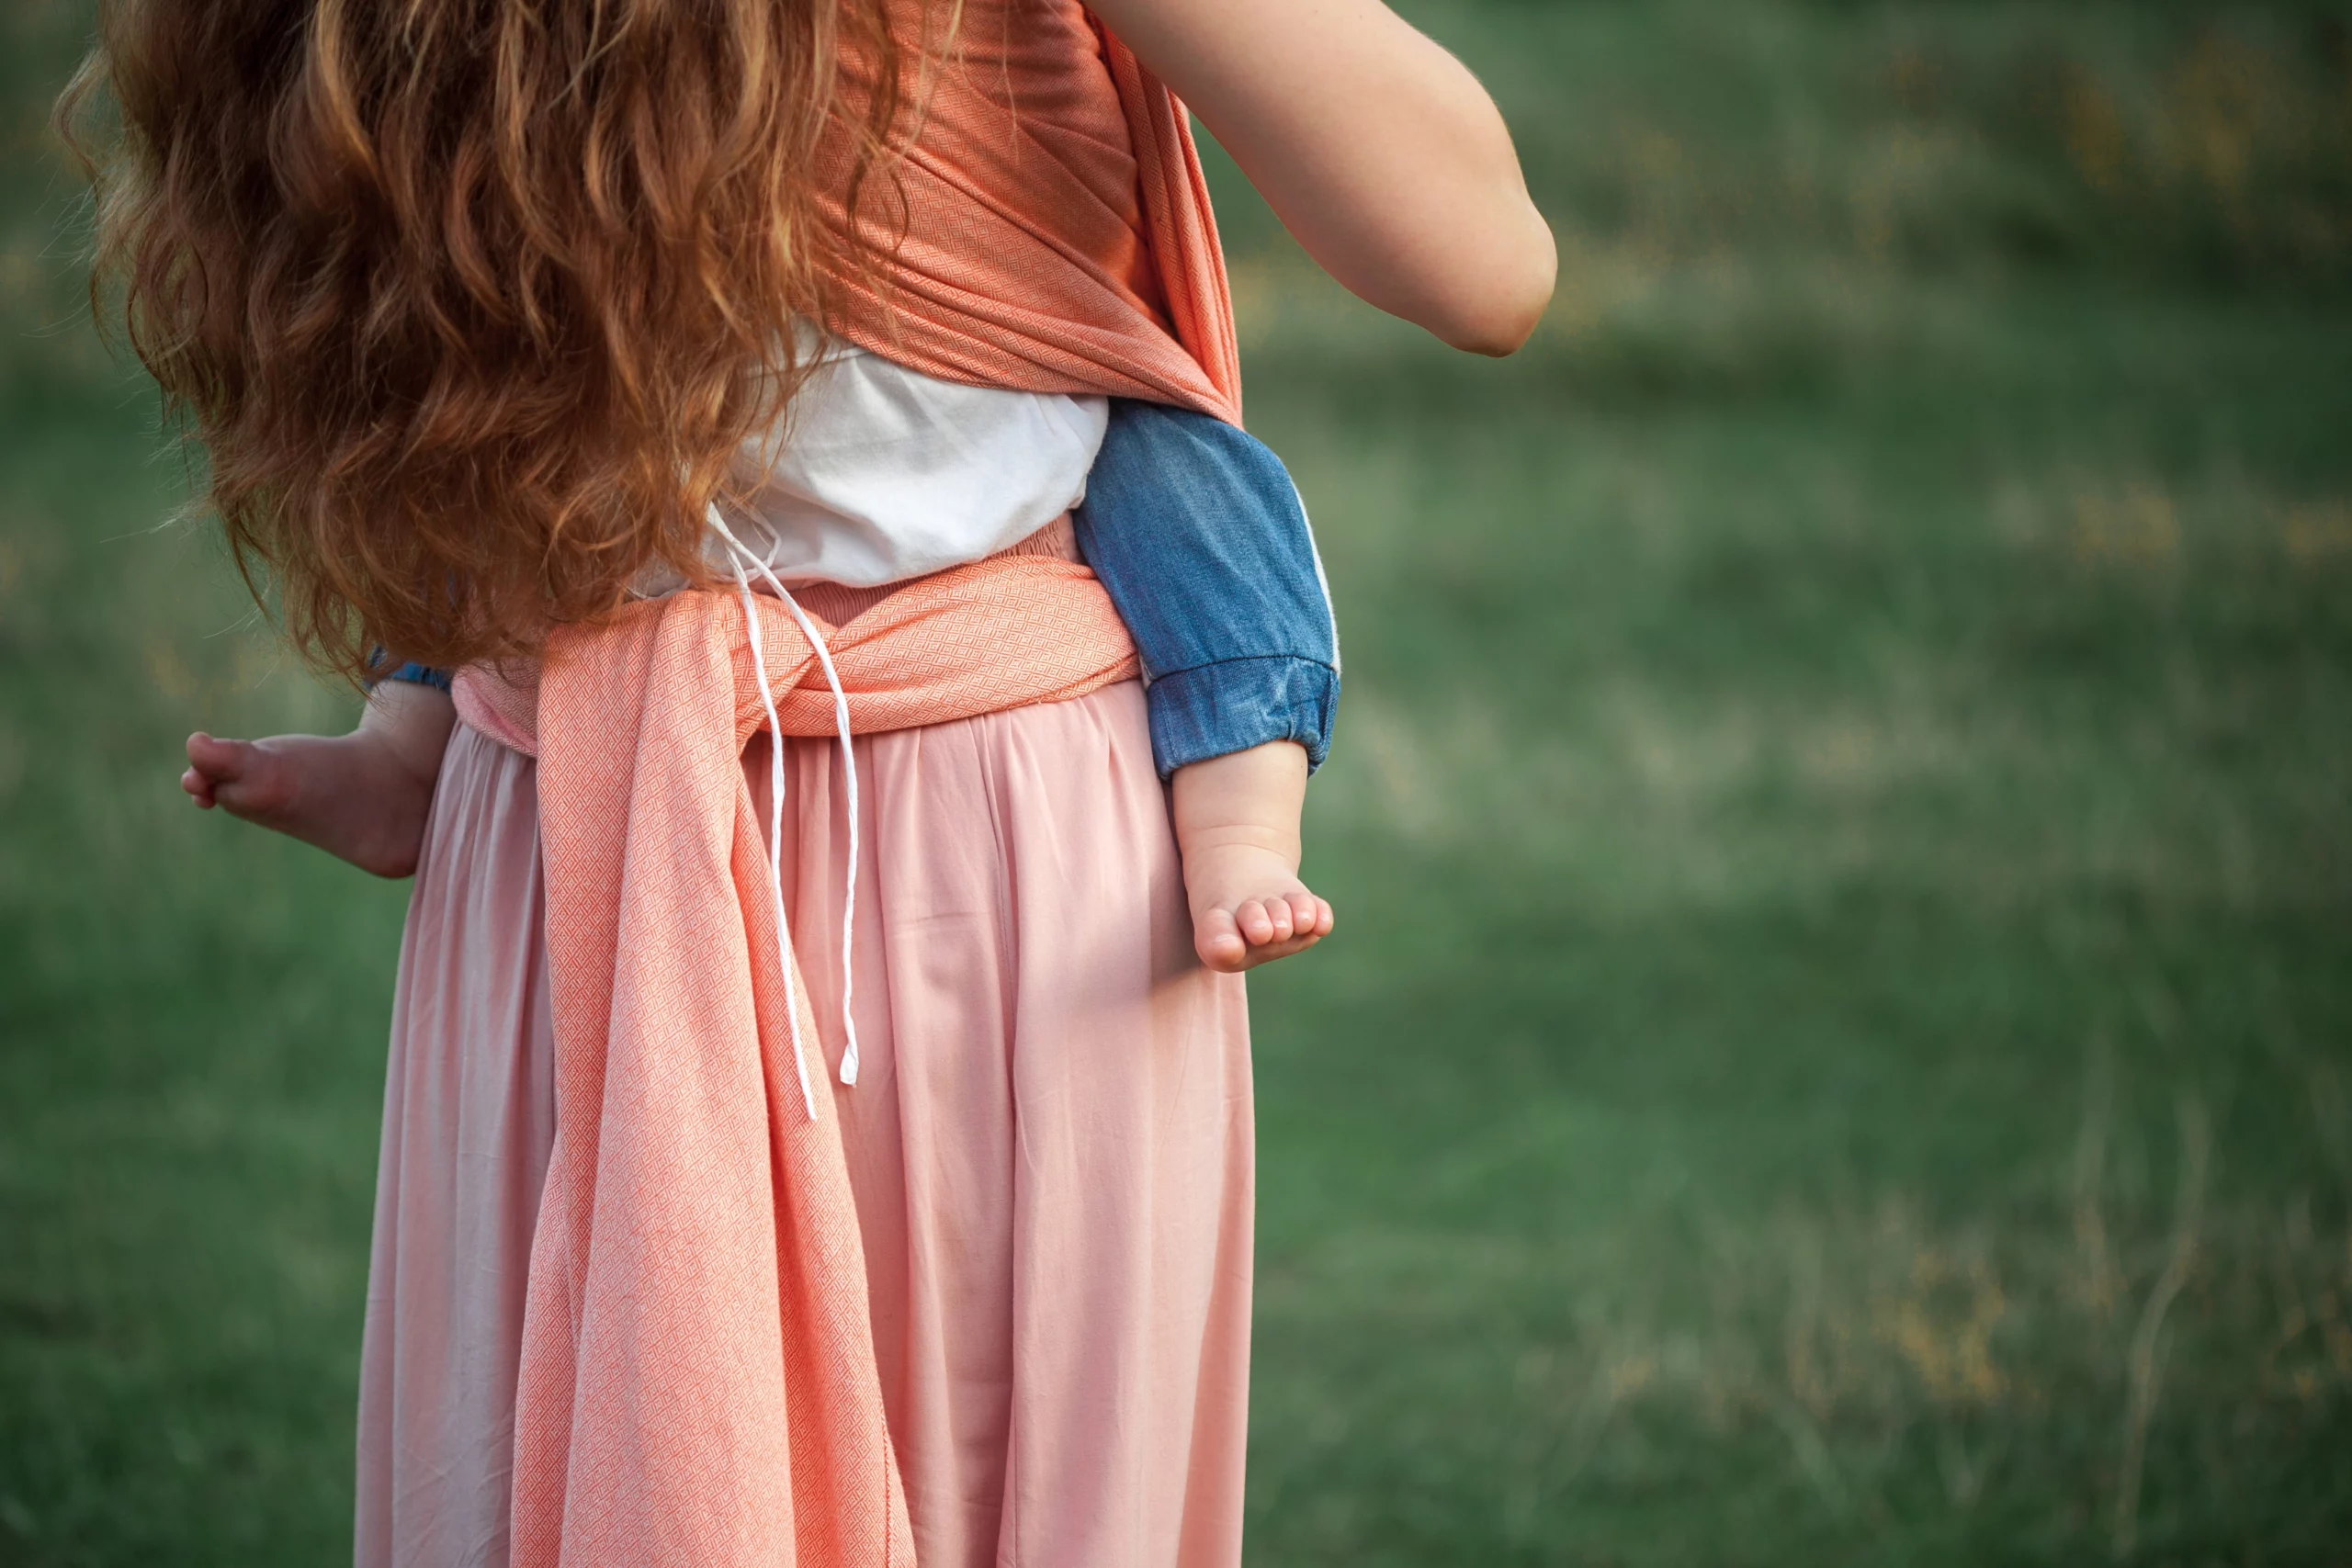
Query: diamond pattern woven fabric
<point>697,1383</point>
<point>1051,229</point>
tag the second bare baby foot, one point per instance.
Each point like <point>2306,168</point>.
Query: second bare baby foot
<point>352,796</point>
<point>1249,906</point>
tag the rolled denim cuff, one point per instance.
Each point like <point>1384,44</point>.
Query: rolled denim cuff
<point>1212,710</point>
<point>413,673</point>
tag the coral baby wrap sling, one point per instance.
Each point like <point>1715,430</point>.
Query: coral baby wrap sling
<point>697,1382</point>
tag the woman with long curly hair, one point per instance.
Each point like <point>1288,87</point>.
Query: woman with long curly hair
<point>817,1125</point>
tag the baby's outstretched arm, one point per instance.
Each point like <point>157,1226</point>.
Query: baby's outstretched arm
<point>361,796</point>
<point>1236,827</point>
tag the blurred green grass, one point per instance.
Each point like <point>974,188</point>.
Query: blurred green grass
<point>1840,1047</point>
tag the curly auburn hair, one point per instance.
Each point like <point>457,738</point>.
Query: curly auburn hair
<point>469,303</point>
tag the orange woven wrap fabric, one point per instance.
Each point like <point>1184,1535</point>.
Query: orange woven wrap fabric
<point>1046,629</point>
<point>697,1383</point>
<point>1049,230</point>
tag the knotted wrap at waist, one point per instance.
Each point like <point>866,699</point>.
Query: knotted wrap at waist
<point>1001,633</point>
<point>699,1384</point>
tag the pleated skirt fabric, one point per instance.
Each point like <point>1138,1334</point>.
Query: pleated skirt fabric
<point>1050,1144</point>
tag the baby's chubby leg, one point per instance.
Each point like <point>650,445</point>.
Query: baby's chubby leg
<point>1237,826</point>
<point>361,796</point>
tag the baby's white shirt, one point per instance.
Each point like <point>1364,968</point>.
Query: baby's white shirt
<point>879,473</point>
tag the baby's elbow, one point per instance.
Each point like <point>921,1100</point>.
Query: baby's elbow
<point>1510,290</point>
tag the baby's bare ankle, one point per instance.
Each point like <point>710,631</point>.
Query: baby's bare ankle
<point>1248,799</point>
<point>1236,822</point>
<point>410,723</point>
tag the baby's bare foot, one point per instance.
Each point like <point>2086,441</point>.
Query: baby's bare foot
<point>354,796</point>
<point>1237,828</point>
<point>1249,906</point>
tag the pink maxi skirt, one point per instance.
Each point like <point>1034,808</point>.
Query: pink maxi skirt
<point>1050,1144</point>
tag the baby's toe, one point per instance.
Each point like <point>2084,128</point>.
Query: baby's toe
<point>1257,925</point>
<point>238,772</point>
<point>1218,941</point>
<point>1278,912</point>
<point>215,759</point>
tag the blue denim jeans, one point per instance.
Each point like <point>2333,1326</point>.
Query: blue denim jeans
<point>1197,532</point>
<point>412,672</point>
<point>1195,529</point>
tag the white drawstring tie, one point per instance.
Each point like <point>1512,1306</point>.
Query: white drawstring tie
<point>740,557</point>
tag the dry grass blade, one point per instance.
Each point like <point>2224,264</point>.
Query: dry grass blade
<point>2196,1142</point>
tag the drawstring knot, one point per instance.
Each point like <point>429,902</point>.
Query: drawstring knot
<point>741,558</point>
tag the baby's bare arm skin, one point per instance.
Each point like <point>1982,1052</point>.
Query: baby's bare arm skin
<point>361,796</point>
<point>1236,827</point>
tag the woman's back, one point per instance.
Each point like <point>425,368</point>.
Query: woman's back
<point>1047,226</point>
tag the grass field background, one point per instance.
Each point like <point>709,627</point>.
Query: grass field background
<point>1839,1047</point>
